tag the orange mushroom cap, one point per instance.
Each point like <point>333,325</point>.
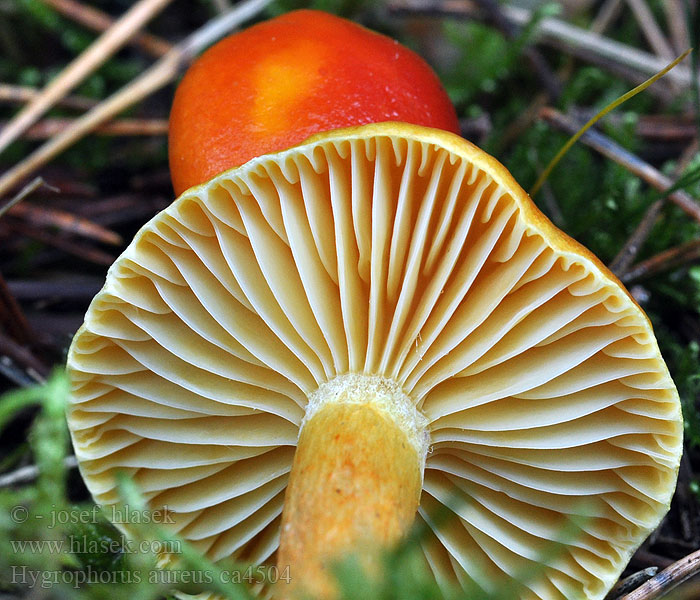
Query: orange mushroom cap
<point>275,84</point>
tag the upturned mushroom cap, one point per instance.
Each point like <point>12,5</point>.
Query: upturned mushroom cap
<point>411,257</point>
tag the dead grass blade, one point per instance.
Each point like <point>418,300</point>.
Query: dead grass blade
<point>42,216</point>
<point>89,60</point>
<point>161,73</point>
<point>95,19</point>
<point>610,107</point>
<point>669,578</point>
<point>49,127</point>
<point>608,148</point>
<point>19,94</point>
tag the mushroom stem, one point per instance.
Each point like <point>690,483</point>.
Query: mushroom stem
<point>354,487</point>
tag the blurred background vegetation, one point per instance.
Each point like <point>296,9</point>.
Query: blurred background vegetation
<point>524,75</point>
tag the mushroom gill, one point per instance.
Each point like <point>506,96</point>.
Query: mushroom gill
<point>404,256</point>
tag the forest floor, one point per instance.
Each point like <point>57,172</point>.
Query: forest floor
<point>524,77</point>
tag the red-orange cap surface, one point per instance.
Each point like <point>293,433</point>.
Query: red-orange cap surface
<point>278,82</point>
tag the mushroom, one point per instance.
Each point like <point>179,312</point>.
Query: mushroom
<point>375,321</point>
<point>272,85</point>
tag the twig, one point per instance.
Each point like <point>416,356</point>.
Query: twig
<point>13,319</point>
<point>676,23</point>
<point>608,12</point>
<point>521,123</point>
<point>625,257</point>
<point>31,472</point>
<point>475,127</point>
<point>560,34</point>
<point>685,498</point>
<point>663,261</point>
<point>66,222</point>
<point>69,184</point>
<point>81,251</point>
<point>20,94</point>
<point>668,579</point>
<point>222,5</point>
<point>658,127</point>
<point>526,117</point>
<point>31,187</point>
<point>96,54</point>
<point>672,541</point>
<point>687,156</point>
<point>49,127</point>
<point>70,288</point>
<point>161,73</point>
<point>651,29</point>
<point>21,358</point>
<point>18,376</point>
<point>539,64</point>
<point>695,61</point>
<point>58,327</point>
<point>603,144</point>
<point>631,582</point>
<point>642,558</point>
<point>99,21</point>
<point>553,208</point>
<point>128,204</point>
<point>592,121</point>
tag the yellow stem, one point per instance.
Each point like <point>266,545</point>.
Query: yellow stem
<point>354,487</point>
